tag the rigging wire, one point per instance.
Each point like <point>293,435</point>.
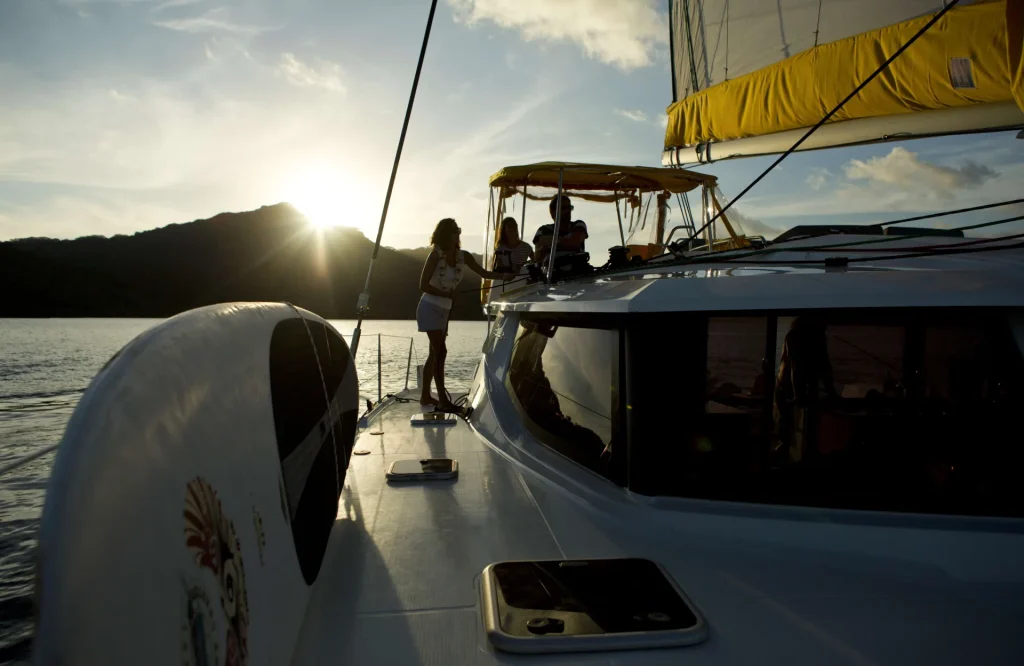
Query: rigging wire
<point>363,304</point>
<point>828,116</point>
<point>689,46</point>
<point>738,255</point>
<point>727,38</point>
<point>830,247</point>
<point>493,286</point>
<point>951,212</point>
<point>817,25</point>
<point>909,255</point>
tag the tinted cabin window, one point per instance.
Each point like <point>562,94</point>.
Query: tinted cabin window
<point>903,412</point>
<point>736,369</point>
<point>562,380</point>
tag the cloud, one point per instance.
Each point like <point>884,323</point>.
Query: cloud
<point>298,73</point>
<point>459,93</point>
<point>904,169</point>
<point>819,177</point>
<point>636,115</point>
<point>214,20</point>
<point>175,3</point>
<point>891,183</point>
<point>623,33</point>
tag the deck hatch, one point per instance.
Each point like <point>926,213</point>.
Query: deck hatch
<point>425,469</point>
<point>586,605</point>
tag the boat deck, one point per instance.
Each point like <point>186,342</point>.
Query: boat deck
<point>400,579</point>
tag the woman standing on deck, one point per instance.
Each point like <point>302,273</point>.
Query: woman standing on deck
<point>442,273</point>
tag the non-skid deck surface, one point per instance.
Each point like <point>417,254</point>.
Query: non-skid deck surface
<point>400,580</point>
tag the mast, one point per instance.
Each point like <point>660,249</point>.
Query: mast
<point>363,304</point>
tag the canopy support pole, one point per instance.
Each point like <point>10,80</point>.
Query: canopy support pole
<point>723,218</point>
<point>487,229</point>
<point>522,222</point>
<point>485,292</point>
<point>363,304</point>
<point>558,218</point>
<point>618,212</point>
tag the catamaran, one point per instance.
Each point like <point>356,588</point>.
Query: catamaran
<point>707,448</point>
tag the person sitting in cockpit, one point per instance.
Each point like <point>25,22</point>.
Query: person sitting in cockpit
<point>572,235</point>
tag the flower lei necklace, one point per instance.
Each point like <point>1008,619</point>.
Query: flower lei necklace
<point>442,267</point>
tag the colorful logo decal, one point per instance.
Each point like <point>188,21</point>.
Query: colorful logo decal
<point>198,637</point>
<point>212,539</point>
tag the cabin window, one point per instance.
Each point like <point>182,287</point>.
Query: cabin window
<point>864,357</point>
<point>736,368</point>
<point>909,411</point>
<point>562,379</point>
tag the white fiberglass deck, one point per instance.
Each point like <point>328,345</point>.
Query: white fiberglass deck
<point>399,583</point>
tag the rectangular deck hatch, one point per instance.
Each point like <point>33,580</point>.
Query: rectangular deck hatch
<point>586,605</point>
<point>433,419</point>
<point>425,469</point>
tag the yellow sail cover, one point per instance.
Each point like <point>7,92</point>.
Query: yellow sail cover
<point>961,61</point>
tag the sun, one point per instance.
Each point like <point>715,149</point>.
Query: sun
<point>329,197</point>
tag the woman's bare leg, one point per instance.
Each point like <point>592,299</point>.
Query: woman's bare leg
<point>438,353</point>
<point>439,350</point>
<point>428,376</point>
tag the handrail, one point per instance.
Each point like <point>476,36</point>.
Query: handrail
<point>379,374</point>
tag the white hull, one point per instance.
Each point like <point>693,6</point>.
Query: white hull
<point>167,513</point>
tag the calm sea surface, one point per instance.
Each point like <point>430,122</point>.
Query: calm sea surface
<point>46,364</point>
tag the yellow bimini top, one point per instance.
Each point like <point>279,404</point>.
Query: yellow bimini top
<point>580,179</point>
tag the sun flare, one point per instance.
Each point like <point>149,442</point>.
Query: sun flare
<point>328,198</point>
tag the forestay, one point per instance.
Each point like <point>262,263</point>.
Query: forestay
<point>751,77</point>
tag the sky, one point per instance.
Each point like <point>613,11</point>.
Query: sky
<point>117,117</point>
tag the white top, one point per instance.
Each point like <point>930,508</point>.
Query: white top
<point>506,258</point>
<point>445,278</point>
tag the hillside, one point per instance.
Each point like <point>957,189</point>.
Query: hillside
<point>270,254</point>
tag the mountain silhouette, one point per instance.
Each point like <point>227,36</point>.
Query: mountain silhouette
<point>270,254</point>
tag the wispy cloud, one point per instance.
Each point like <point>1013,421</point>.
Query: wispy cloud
<point>326,75</point>
<point>905,169</point>
<point>885,184</point>
<point>214,20</point>
<point>169,4</point>
<point>819,177</point>
<point>623,33</point>
<point>633,114</point>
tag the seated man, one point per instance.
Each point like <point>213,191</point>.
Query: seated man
<point>572,236</point>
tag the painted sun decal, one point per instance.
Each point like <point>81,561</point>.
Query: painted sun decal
<point>211,537</point>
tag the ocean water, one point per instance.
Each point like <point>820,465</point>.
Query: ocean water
<point>45,366</point>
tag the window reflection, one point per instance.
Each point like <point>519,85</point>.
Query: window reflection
<point>897,411</point>
<point>562,380</point>
<point>735,372</point>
